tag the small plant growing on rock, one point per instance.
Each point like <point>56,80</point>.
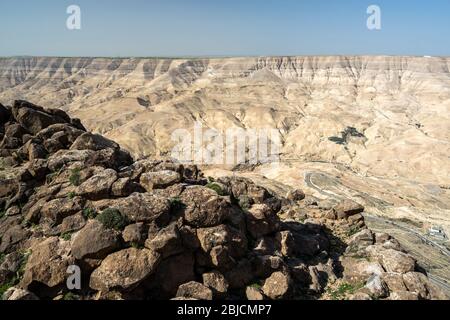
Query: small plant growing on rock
<point>71,195</point>
<point>2,213</point>
<point>216,187</point>
<point>75,177</point>
<point>112,219</point>
<point>66,236</point>
<point>343,290</point>
<point>70,296</point>
<point>89,213</point>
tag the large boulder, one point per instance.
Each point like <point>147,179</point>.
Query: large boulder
<point>396,261</point>
<point>94,241</point>
<point>98,186</point>
<point>195,290</point>
<point>95,142</point>
<point>159,179</point>
<point>347,208</point>
<point>34,118</point>
<point>58,209</point>
<point>47,266</point>
<point>278,286</point>
<point>204,207</point>
<point>124,270</point>
<point>144,207</point>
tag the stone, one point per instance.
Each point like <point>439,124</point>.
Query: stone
<point>98,186</point>
<point>32,118</point>
<point>58,209</point>
<point>417,283</point>
<point>277,286</point>
<point>124,187</point>
<point>223,235</point>
<point>404,296</point>
<point>295,195</point>
<point>217,282</point>
<point>17,294</point>
<point>360,270</point>
<point>135,233</point>
<point>47,265</point>
<point>95,142</point>
<point>173,272</point>
<point>396,261</point>
<point>12,237</point>
<point>347,208</point>
<point>316,284</point>
<point>381,238</point>
<point>94,241</point>
<point>65,157</point>
<point>377,287</point>
<point>394,281</point>
<point>167,242</point>
<point>261,220</point>
<point>360,296</point>
<point>195,290</point>
<point>204,207</point>
<point>124,270</point>
<point>159,180</point>
<point>286,243</point>
<point>144,207</point>
<point>253,294</point>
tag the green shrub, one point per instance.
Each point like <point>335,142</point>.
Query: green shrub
<point>89,213</point>
<point>71,195</point>
<point>2,213</point>
<point>343,290</point>
<point>112,219</point>
<point>75,177</point>
<point>216,187</point>
<point>66,236</point>
<point>69,296</point>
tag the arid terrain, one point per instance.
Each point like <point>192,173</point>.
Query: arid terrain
<point>372,129</point>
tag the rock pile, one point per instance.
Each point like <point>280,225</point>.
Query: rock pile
<point>156,229</point>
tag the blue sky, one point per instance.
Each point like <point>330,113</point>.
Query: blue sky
<point>223,28</point>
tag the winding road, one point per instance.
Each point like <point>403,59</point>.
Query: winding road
<point>443,250</point>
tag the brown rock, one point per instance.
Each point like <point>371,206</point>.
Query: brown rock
<point>95,142</point>
<point>396,261</point>
<point>159,180</point>
<point>403,295</point>
<point>58,209</point>
<point>135,233</point>
<point>99,185</point>
<point>295,195</point>
<point>124,269</point>
<point>195,290</point>
<point>47,264</point>
<point>94,241</point>
<point>217,282</point>
<point>347,208</point>
<point>167,242</point>
<point>277,286</point>
<point>204,207</point>
<point>144,207</point>
<point>261,220</point>
<point>253,294</point>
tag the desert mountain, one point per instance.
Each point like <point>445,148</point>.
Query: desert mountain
<point>374,129</point>
<point>80,219</point>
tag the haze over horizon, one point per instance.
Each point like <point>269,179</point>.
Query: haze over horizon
<point>221,28</point>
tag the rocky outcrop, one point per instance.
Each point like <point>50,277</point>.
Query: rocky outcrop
<point>155,229</point>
